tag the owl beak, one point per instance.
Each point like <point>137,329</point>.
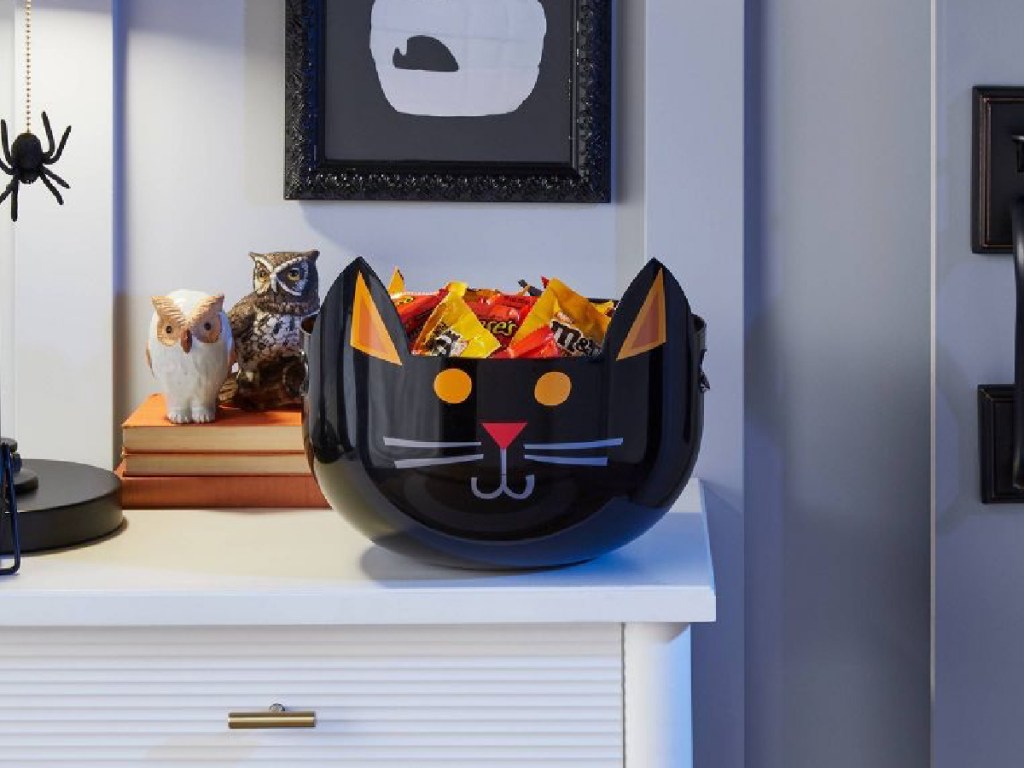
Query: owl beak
<point>186,341</point>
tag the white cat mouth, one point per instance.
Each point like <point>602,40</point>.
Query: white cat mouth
<point>541,453</point>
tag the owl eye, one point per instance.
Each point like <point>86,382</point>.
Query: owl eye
<point>168,329</point>
<point>207,332</point>
<point>293,274</point>
<point>261,273</point>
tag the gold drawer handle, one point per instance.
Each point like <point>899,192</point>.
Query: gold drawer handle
<point>276,717</point>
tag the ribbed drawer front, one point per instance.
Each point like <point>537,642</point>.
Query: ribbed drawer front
<point>385,697</point>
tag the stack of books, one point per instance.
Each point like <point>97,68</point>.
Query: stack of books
<point>243,459</point>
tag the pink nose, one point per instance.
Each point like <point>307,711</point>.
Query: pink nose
<point>503,432</point>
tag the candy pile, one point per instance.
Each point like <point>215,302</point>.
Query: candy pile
<point>459,321</point>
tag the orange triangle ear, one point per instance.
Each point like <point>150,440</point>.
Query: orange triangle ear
<point>649,328</point>
<point>369,334</point>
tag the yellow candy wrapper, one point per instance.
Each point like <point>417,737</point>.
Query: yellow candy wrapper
<point>452,330</point>
<point>397,284</point>
<point>578,326</point>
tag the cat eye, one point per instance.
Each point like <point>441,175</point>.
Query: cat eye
<point>453,386</point>
<point>553,388</point>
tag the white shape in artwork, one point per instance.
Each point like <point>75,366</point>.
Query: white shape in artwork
<point>457,58</point>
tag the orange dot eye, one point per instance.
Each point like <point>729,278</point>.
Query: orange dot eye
<point>553,388</point>
<point>453,386</point>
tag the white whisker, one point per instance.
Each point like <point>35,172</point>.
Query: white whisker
<point>609,443</point>
<point>397,442</point>
<point>414,463</point>
<point>585,461</point>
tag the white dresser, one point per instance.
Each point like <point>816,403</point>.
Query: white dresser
<point>137,651</point>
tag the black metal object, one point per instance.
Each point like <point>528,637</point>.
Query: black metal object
<point>1000,421</point>
<point>311,175</point>
<point>73,504</point>
<point>10,532</point>
<point>998,160</point>
<point>998,227</point>
<point>500,476</point>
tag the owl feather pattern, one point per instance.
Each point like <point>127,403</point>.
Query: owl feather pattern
<point>267,327</point>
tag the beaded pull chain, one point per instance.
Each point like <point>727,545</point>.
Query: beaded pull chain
<point>28,65</point>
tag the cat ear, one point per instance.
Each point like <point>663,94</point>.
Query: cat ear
<point>640,324</point>
<point>370,332</point>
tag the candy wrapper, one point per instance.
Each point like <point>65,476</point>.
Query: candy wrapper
<point>541,343</point>
<point>578,326</point>
<point>415,308</point>
<point>501,314</point>
<point>397,284</point>
<point>452,330</point>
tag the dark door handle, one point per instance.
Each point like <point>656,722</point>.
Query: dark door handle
<point>1017,221</point>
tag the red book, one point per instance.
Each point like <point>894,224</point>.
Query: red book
<point>220,492</point>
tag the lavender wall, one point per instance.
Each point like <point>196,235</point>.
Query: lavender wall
<point>837,367</point>
<point>979,570</point>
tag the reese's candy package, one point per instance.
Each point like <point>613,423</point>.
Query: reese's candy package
<point>452,330</point>
<point>415,308</point>
<point>540,343</point>
<point>502,314</point>
<point>578,326</point>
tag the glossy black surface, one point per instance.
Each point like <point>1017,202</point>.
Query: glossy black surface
<point>641,416</point>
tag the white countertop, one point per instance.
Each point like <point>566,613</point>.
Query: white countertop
<point>286,567</point>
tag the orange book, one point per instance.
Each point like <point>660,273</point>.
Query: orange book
<point>147,430</point>
<point>186,464</point>
<point>225,492</point>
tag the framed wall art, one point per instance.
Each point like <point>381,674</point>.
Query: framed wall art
<point>458,100</point>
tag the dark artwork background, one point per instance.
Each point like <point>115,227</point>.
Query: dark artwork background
<point>362,126</point>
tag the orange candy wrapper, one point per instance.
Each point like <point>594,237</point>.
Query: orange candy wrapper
<point>415,308</point>
<point>578,326</point>
<point>459,321</point>
<point>501,314</point>
<point>540,343</point>
<point>452,330</point>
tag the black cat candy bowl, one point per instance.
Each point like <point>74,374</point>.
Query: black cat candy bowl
<point>503,463</point>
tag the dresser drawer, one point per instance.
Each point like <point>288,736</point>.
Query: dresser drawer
<point>386,697</point>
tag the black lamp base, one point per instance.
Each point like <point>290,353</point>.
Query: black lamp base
<point>25,480</point>
<point>69,504</point>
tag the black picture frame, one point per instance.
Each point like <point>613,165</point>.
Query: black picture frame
<point>585,176</point>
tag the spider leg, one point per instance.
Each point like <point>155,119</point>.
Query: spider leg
<point>46,172</point>
<point>6,143</point>
<point>12,190</point>
<point>52,188</point>
<point>8,190</point>
<point>50,156</point>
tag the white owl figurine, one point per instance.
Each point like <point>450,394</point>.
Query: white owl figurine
<point>190,351</point>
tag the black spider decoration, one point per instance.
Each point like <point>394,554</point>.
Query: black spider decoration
<point>27,162</point>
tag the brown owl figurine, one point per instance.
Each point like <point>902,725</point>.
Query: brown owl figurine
<point>266,326</point>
